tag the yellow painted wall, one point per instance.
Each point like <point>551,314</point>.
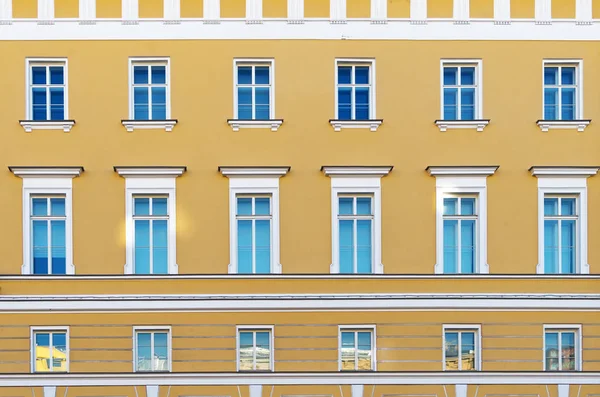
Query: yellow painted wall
<point>482,8</point>
<point>108,9</point>
<point>563,8</point>
<point>192,8</point>
<point>398,8</point>
<point>441,9</point>
<point>275,8</point>
<point>66,8</point>
<point>151,8</point>
<point>25,9</point>
<point>522,9</point>
<point>595,9</point>
<point>358,8</point>
<point>316,8</point>
<point>233,8</point>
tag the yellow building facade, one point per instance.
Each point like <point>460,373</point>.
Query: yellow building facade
<point>293,198</point>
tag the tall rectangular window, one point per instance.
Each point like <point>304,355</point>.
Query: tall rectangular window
<point>255,350</point>
<point>357,347</point>
<point>151,225</point>
<point>47,91</point>
<point>355,219</point>
<point>560,234</point>
<point>48,234</point>
<point>50,350</point>
<point>152,350</point>
<point>561,349</point>
<point>150,90</point>
<point>254,90</point>
<point>460,234</point>
<point>354,90</point>
<point>254,217</point>
<point>460,91</point>
<point>561,92</point>
<point>461,350</point>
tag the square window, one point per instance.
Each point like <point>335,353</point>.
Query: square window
<point>254,90</point>
<point>152,349</point>
<point>561,90</point>
<point>357,348</point>
<point>354,90</point>
<point>46,90</point>
<point>50,349</point>
<point>461,94</point>
<point>255,349</point>
<point>149,91</point>
<point>562,350</point>
<point>462,348</point>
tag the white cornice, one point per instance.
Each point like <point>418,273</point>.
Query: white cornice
<point>127,172</point>
<point>564,171</point>
<point>46,172</point>
<point>234,171</point>
<point>462,170</point>
<point>378,171</point>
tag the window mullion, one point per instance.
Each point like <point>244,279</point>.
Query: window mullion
<point>151,240</point>
<point>49,247</point>
<point>459,364</point>
<point>459,247</point>
<point>560,364</point>
<point>355,242</point>
<point>150,116</point>
<point>254,347</point>
<point>559,246</point>
<point>152,351</point>
<point>356,351</point>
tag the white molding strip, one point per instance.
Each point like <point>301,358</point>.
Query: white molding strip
<point>337,10</point>
<point>87,9</point>
<point>130,9</point>
<point>418,9</point>
<point>212,10</point>
<point>378,10</point>
<point>502,10</point>
<point>295,10</point>
<point>461,10</point>
<point>583,10</point>
<point>172,9</point>
<point>46,9</point>
<point>254,10</point>
<point>543,10</point>
<point>302,378</point>
<point>5,10</point>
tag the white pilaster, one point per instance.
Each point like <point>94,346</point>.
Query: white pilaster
<point>172,9</point>
<point>87,9</point>
<point>563,390</point>
<point>379,9</point>
<point>460,390</point>
<point>151,391</point>
<point>337,10</point>
<point>45,9</point>
<point>358,390</point>
<point>543,10</point>
<point>255,390</point>
<point>50,391</point>
<point>212,10</point>
<point>502,10</point>
<point>418,9</point>
<point>584,10</point>
<point>253,9</point>
<point>130,9</point>
<point>5,9</point>
<point>461,10</point>
<point>295,9</point>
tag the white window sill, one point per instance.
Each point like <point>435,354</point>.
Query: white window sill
<point>339,125</point>
<point>166,125</point>
<point>272,124</point>
<point>445,125</point>
<point>30,125</point>
<point>546,125</point>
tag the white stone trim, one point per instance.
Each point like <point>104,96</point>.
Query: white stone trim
<point>583,10</point>
<point>371,125</point>
<point>461,10</point>
<point>64,125</point>
<point>543,10</point>
<point>565,180</point>
<point>254,10</point>
<point>579,125</point>
<point>150,180</point>
<point>295,10</point>
<point>445,125</point>
<point>151,328</point>
<point>53,328</point>
<point>418,10</point>
<point>359,327</point>
<point>462,180</point>
<point>271,330</point>
<point>337,10</point>
<point>130,9</point>
<point>463,327</point>
<point>5,10</point>
<point>87,9</point>
<point>132,125</point>
<point>172,9</point>
<point>45,9</point>
<point>272,125</point>
<point>502,10</point>
<point>47,180</point>
<point>578,343</point>
<point>378,10</point>
<point>212,10</point>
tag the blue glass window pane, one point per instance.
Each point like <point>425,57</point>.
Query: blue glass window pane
<point>568,76</point>
<point>59,264</point>
<point>140,103</point>
<point>450,103</point>
<point>450,76</point>
<point>261,75</point>
<point>262,98</point>
<point>567,340</point>
<point>57,104</point>
<point>551,103</point>
<point>246,339</point>
<point>160,247</point>
<point>467,252</point>
<point>263,246</point>
<point>144,351</point>
<point>346,246</point>
<point>245,103</point>
<point>244,206</point>
<point>467,107</point>
<point>551,75</point>
<point>159,74</point>
<point>567,206</point>
<point>348,340</point>
<point>567,246</point>
<point>345,103</point>
<point>40,247</point>
<point>467,76</point>
<point>363,206</point>
<point>59,341</point>
<point>141,206</point>
<point>42,339</point>
<point>451,343</point>
<point>39,206</point>
<point>142,247</point>
<point>159,206</point>
<point>550,206</point>
<point>364,341</point>
<point>244,74</point>
<point>450,246</point>
<point>344,74</point>
<point>362,103</point>
<point>159,103</point>
<point>140,74</point>
<point>244,246</point>
<point>467,206</point>
<point>39,100</point>
<point>57,75</point>
<point>364,253</point>
<point>468,338</point>
<point>38,75</point>
<point>361,74</point>
<point>551,340</point>
<point>160,351</point>
<point>57,206</point>
<point>263,340</point>
<point>345,205</point>
<point>550,246</point>
<point>568,104</point>
<point>262,206</point>
<point>450,206</point>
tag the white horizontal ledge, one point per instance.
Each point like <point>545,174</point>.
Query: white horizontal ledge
<point>45,172</point>
<point>579,125</point>
<point>339,170</point>
<point>575,171</point>
<point>302,378</point>
<point>276,171</point>
<point>132,125</point>
<point>30,125</point>
<point>372,125</point>
<point>141,171</point>
<point>445,125</point>
<point>272,124</point>
<point>465,170</point>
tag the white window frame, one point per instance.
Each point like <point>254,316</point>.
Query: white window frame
<point>48,329</point>
<point>476,328</point>
<point>41,181</point>
<point>150,181</point>
<point>479,123</point>
<point>356,180</point>
<point>462,180</point>
<point>358,328</point>
<point>255,328</point>
<point>87,9</point>
<point>28,124</point>
<point>578,342</point>
<point>565,181</point>
<point>254,181</point>
<point>153,329</point>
